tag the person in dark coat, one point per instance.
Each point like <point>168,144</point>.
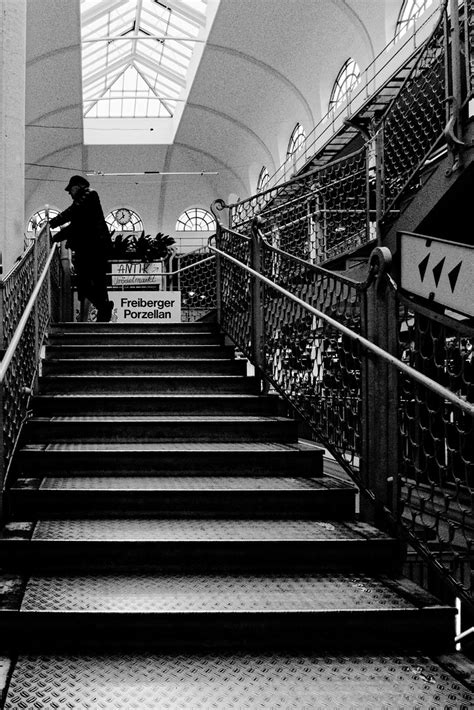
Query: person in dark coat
<point>88,237</point>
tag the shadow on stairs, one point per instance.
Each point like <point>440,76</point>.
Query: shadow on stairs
<point>171,543</point>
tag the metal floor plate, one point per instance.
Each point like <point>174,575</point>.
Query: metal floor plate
<point>234,682</point>
<point>209,593</point>
<point>199,529</point>
<point>183,483</point>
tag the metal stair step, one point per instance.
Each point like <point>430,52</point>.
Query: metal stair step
<point>117,337</point>
<point>160,428</point>
<point>144,366</point>
<point>319,610</point>
<point>199,543</point>
<point>162,384</point>
<point>92,328</point>
<point>235,681</point>
<point>141,352</point>
<point>231,458</point>
<point>222,404</point>
<point>320,498</point>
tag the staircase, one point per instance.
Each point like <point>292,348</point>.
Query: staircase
<point>172,544</point>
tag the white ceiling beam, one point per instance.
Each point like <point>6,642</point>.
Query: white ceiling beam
<point>142,38</point>
<point>106,71</point>
<point>161,70</point>
<point>181,8</point>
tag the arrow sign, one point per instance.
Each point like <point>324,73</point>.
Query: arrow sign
<point>438,270</point>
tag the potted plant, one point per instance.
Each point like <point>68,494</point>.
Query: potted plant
<point>145,248</point>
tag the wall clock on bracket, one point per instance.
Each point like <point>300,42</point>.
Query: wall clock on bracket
<point>122,215</point>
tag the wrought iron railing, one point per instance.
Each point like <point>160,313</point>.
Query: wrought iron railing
<point>400,50</point>
<point>194,274</point>
<point>30,297</point>
<point>386,386</point>
<point>330,211</point>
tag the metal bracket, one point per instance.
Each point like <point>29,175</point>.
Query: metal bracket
<point>455,144</point>
<point>380,263</point>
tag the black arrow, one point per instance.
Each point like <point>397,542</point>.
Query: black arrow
<point>453,276</point>
<point>438,269</point>
<point>422,267</point>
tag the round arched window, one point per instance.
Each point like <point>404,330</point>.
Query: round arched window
<point>124,219</point>
<point>38,220</point>
<point>411,9</point>
<point>347,78</point>
<point>297,139</point>
<point>263,179</point>
<point>196,220</point>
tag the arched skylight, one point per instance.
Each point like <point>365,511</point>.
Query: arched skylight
<point>196,220</point>
<point>263,179</point>
<point>124,220</point>
<point>347,78</point>
<point>411,9</point>
<point>297,139</point>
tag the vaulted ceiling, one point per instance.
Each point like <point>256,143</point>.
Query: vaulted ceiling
<point>267,65</point>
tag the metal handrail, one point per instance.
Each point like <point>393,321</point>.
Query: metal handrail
<point>184,268</point>
<point>10,352</point>
<point>438,389</point>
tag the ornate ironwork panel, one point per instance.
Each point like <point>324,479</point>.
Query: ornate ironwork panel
<point>315,366</point>
<point>17,289</point>
<point>416,118</point>
<point>235,290</point>
<point>437,442</point>
<point>318,216</point>
<point>196,279</point>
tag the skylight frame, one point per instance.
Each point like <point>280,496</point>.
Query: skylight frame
<point>161,43</point>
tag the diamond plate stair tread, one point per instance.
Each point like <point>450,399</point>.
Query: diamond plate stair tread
<point>156,418</point>
<point>234,682</point>
<point>131,593</point>
<point>183,483</point>
<point>205,529</point>
<point>172,447</point>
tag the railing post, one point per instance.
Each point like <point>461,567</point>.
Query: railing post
<point>66,309</point>
<point>256,295</point>
<point>379,467</point>
<point>35,307</point>
<point>379,183</point>
<point>2,423</point>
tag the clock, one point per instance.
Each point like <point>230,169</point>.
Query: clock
<point>122,215</point>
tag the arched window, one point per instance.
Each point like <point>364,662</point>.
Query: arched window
<point>124,219</point>
<point>411,9</point>
<point>196,220</point>
<point>38,220</point>
<point>263,179</point>
<point>297,139</point>
<point>347,78</point>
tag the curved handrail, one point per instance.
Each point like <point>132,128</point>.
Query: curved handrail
<point>438,389</point>
<point>10,352</point>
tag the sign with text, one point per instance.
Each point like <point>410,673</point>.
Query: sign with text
<point>136,273</point>
<point>438,270</point>
<point>146,306</point>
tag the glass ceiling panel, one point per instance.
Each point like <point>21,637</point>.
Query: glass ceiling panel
<point>136,55</point>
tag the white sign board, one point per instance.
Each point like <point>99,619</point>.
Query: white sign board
<point>438,270</point>
<point>136,273</point>
<point>146,306</point>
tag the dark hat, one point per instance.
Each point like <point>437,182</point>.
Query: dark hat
<point>77,180</point>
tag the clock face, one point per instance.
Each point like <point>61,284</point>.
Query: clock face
<point>123,215</point>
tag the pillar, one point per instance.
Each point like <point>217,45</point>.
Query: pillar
<point>12,129</point>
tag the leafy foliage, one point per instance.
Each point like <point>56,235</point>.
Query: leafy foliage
<point>145,247</point>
